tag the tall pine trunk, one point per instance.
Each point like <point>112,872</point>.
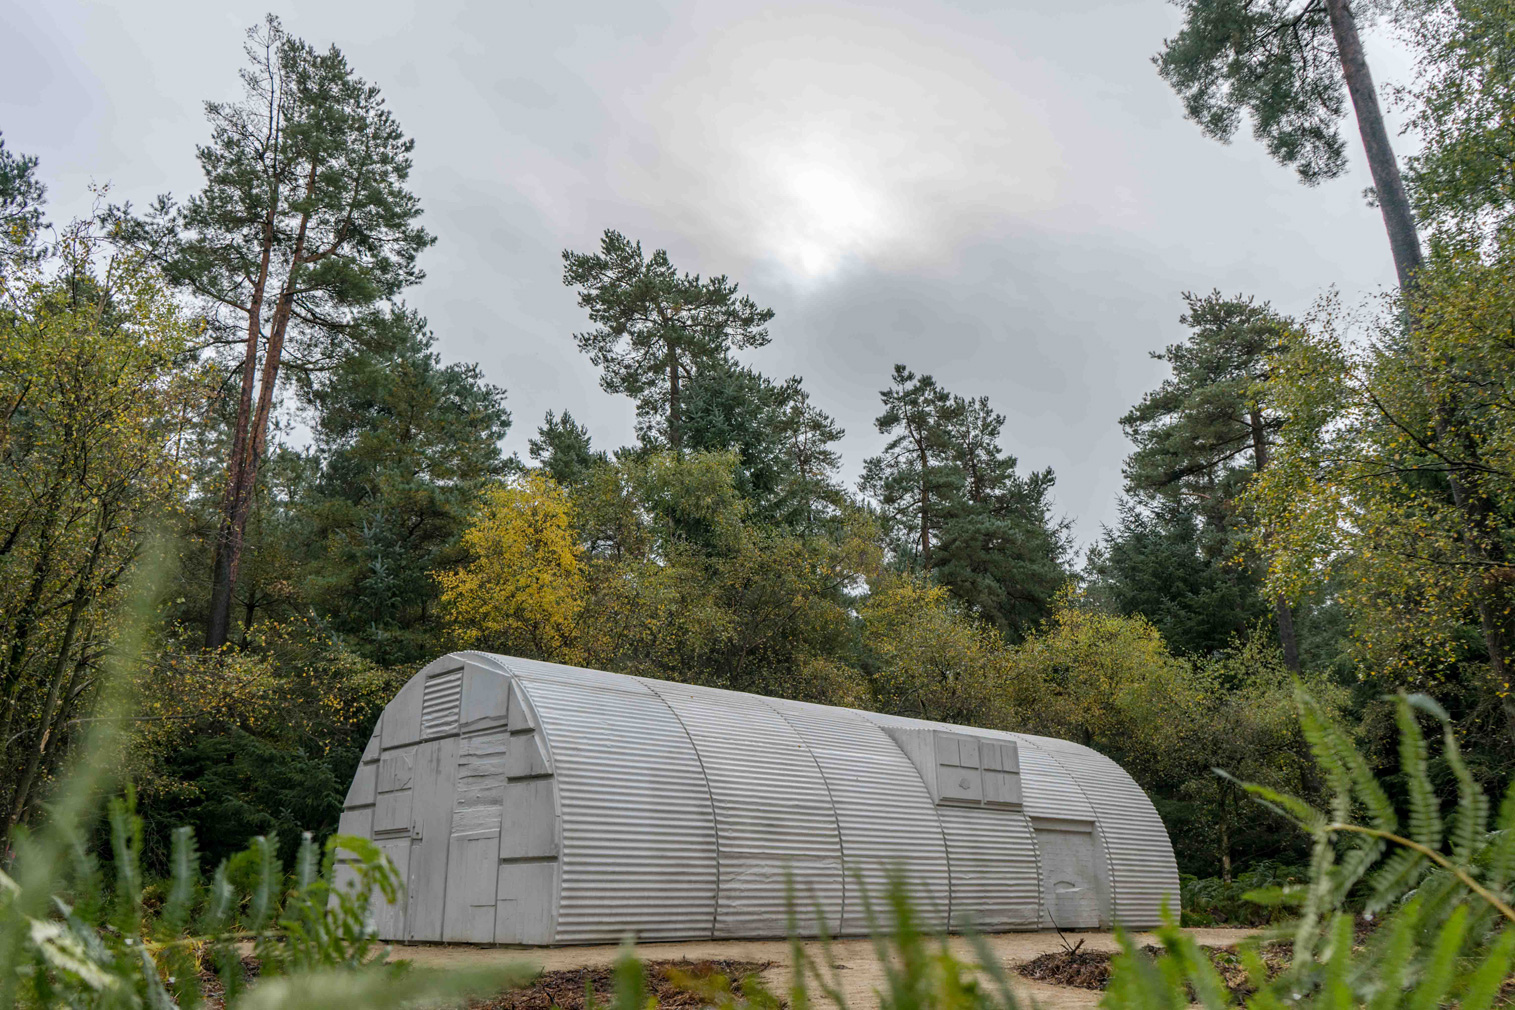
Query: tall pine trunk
<point>228,536</point>
<point>1404,243</point>
<point>251,436</point>
<point>1287,640</point>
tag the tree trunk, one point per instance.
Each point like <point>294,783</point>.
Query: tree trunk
<point>55,688</point>
<point>1286,637</point>
<point>1287,640</point>
<point>1225,838</point>
<point>1404,243</point>
<point>228,535</point>
<point>242,475</point>
<point>1398,219</point>
<point>675,438</point>
<point>925,507</point>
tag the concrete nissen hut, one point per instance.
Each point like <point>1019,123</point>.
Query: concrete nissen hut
<point>525,802</point>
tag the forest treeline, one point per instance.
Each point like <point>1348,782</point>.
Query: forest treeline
<point>1326,498</point>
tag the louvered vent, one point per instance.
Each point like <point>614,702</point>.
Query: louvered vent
<point>441,702</point>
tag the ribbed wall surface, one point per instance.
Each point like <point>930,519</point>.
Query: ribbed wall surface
<point>1047,788</point>
<point>773,816</point>
<point>995,885</point>
<point>440,703</point>
<point>638,833</point>
<point>886,816</point>
<point>1142,869</point>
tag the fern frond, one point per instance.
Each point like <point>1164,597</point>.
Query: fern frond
<point>1336,992</point>
<point>1471,819</point>
<point>1501,847</point>
<point>1489,977</point>
<point>307,862</point>
<point>1394,957</point>
<point>184,870</point>
<point>1440,971</point>
<point>1425,812</point>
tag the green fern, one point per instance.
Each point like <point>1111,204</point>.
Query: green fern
<point>1437,893</point>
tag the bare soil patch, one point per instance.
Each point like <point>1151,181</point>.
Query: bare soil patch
<point>564,990</point>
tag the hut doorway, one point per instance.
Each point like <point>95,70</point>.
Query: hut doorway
<point>1070,874</point>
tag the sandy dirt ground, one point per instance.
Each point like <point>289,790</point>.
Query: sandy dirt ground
<point>861,975</point>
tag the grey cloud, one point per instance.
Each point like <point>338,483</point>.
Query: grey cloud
<point>1001,194</point>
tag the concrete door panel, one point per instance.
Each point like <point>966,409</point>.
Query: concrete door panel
<point>436,771</point>
<point>389,919</point>
<point>473,864</point>
<point>526,893</point>
<point>1070,877</point>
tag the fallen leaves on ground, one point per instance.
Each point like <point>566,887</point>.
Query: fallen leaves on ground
<point>564,990</point>
<point>1090,969</point>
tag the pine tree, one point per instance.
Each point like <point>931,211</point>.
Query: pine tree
<point>21,198</point>
<point>786,468</point>
<point>304,223</point>
<point>563,449</point>
<point>655,328</point>
<point>1001,549</point>
<point>1207,431</point>
<point>1164,562</point>
<point>404,443</point>
<point>1287,62</point>
<point>911,480</point>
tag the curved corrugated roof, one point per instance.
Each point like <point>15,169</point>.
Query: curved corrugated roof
<point>686,811</point>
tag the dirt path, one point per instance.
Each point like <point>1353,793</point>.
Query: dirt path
<point>861,977</point>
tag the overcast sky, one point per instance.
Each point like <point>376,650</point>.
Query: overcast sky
<point>1001,194</point>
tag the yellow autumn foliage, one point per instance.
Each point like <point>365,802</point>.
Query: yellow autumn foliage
<point>523,588</point>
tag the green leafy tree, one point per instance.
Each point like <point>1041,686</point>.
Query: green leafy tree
<point>303,224</point>
<point>95,401</point>
<point>1463,179</point>
<point>685,582</point>
<point>1393,478</point>
<point>656,328</point>
<point>1287,63</point>
<point>404,444</point>
<point>1209,430</point>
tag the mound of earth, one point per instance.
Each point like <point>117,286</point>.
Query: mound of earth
<point>564,990</point>
<point>1090,969</point>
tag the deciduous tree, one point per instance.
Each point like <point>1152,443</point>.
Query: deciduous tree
<point>522,587</point>
<point>94,403</point>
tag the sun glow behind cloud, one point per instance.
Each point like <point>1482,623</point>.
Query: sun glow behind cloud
<point>814,149</point>
<point>826,213</point>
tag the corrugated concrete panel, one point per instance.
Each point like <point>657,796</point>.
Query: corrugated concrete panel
<point>1047,788</point>
<point>1143,872</point>
<point>638,831</point>
<point>993,857</point>
<point>773,817</point>
<point>887,820</point>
